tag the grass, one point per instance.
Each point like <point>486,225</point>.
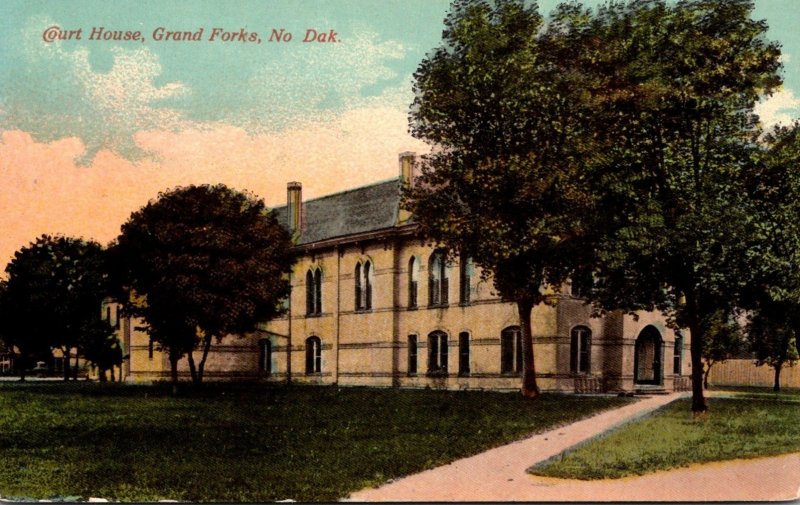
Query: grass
<point>249,443</point>
<point>748,424</point>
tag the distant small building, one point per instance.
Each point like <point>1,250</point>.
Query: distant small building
<point>373,303</point>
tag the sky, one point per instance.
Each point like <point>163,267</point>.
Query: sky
<point>91,130</point>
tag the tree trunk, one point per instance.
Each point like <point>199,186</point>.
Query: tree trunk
<point>111,370</point>
<point>173,363</point>
<point>709,364</point>
<point>776,386</point>
<point>529,387</point>
<point>75,368</point>
<point>202,365</point>
<point>699,404</point>
<point>21,364</point>
<point>192,367</point>
<point>66,362</point>
<point>101,374</point>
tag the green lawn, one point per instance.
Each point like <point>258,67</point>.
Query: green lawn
<point>748,424</point>
<point>249,443</point>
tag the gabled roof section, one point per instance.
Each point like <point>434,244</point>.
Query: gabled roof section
<point>359,210</point>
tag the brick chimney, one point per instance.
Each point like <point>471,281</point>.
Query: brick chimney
<point>408,172</point>
<point>408,167</point>
<point>294,202</point>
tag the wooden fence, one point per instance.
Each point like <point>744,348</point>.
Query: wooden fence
<point>742,372</point>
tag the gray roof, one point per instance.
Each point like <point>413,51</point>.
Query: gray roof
<point>359,210</point>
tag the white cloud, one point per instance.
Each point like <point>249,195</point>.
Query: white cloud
<point>55,93</point>
<point>313,81</point>
<point>783,107</point>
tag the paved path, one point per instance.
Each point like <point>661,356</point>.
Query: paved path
<point>500,474</point>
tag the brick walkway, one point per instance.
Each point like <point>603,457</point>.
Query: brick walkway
<point>500,474</point>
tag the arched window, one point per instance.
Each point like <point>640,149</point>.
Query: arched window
<point>358,286</point>
<point>438,283</point>
<point>318,290</point>
<point>314,292</point>
<point>677,355</point>
<point>313,355</point>
<point>437,353</point>
<point>413,282</point>
<point>463,354</point>
<point>466,273</point>
<point>511,350</point>
<point>265,356</point>
<point>363,285</point>
<point>412,355</point>
<point>368,285</point>
<point>580,349</point>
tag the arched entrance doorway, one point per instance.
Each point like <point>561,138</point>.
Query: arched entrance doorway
<point>648,363</point>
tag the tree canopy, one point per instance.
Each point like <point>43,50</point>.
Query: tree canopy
<point>620,140</point>
<point>53,293</point>
<point>501,183</point>
<point>199,263</point>
<point>675,89</point>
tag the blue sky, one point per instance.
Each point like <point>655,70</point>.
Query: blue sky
<point>257,87</point>
<point>90,130</point>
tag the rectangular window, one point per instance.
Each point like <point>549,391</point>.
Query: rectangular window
<point>511,350</point>
<point>412,355</point>
<point>116,321</point>
<point>150,349</point>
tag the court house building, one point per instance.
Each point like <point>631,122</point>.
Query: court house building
<point>375,304</point>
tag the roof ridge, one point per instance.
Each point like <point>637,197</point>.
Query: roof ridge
<point>344,192</point>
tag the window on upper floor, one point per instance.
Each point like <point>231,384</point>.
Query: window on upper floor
<point>466,274</point>
<point>580,352</point>
<point>437,353</point>
<point>511,350</point>
<point>363,286</point>
<point>413,282</point>
<point>314,292</point>
<point>438,282</point>
<point>581,283</point>
<point>313,355</point>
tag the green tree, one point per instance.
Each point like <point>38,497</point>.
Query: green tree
<point>101,347</point>
<point>773,337</point>
<point>723,341</point>
<point>54,289</point>
<point>775,307</point>
<point>199,263</point>
<point>501,184</point>
<point>673,96</point>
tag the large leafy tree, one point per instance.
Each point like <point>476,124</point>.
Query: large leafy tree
<point>723,341</point>
<point>199,263</point>
<point>775,307</point>
<point>101,347</point>
<point>675,86</point>
<point>501,183</point>
<point>53,293</point>
<point>772,333</point>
